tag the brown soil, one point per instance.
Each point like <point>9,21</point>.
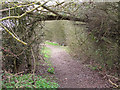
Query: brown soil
<point>72,73</point>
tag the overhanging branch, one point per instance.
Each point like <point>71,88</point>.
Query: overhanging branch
<point>60,17</point>
<point>54,17</point>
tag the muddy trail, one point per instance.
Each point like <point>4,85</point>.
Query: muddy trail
<point>72,73</point>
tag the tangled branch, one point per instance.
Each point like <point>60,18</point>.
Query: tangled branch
<point>2,10</point>
<point>13,35</point>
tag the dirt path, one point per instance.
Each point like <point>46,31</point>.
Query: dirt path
<point>71,73</point>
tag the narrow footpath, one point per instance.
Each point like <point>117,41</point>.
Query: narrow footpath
<point>72,73</point>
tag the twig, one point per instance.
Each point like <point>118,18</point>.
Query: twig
<point>18,17</point>
<point>14,74</point>
<point>112,77</point>
<point>18,73</point>
<point>16,7</point>
<point>113,83</point>
<point>50,10</point>
<point>9,52</point>
<point>59,4</point>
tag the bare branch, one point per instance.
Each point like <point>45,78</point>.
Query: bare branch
<point>2,10</point>
<point>18,17</point>
<point>13,35</point>
<point>54,17</point>
<point>50,10</point>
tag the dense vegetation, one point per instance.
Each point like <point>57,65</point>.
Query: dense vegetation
<point>89,29</point>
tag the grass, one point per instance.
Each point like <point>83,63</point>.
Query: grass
<point>51,43</point>
<point>56,44</point>
<point>46,53</point>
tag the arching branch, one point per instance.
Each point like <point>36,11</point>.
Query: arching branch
<point>13,35</point>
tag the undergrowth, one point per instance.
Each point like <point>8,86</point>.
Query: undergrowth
<point>31,80</point>
<point>50,70</point>
<point>26,81</point>
<point>46,53</point>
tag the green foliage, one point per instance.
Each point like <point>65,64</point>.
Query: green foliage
<point>50,70</point>
<point>46,56</point>
<point>51,43</point>
<point>46,52</point>
<point>27,81</point>
<point>94,68</point>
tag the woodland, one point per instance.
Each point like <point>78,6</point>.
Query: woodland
<point>31,32</point>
